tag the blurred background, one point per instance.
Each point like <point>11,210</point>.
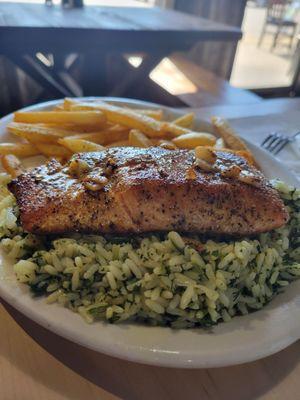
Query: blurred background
<point>174,52</point>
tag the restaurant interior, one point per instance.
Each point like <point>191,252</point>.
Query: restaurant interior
<point>203,67</point>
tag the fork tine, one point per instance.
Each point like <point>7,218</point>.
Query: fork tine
<point>276,137</point>
<point>283,144</point>
<point>272,140</point>
<point>276,143</point>
<point>264,143</point>
<point>286,141</point>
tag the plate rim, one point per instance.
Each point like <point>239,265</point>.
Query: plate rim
<point>145,354</point>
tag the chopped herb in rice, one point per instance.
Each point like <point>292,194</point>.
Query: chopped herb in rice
<point>161,280</point>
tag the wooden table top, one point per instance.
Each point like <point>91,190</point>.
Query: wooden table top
<point>39,365</point>
<point>136,28</point>
<point>262,108</point>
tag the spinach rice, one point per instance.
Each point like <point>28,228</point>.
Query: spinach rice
<point>158,279</point>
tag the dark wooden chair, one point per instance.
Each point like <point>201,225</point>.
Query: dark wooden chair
<point>279,17</point>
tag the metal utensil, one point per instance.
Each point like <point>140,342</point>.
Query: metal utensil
<point>275,142</point>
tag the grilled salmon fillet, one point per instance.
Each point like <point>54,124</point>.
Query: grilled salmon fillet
<point>134,190</point>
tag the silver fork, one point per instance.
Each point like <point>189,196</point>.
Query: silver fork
<point>275,142</point>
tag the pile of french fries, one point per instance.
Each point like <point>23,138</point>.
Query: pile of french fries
<point>76,126</point>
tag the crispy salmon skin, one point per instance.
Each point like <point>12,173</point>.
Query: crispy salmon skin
<point>133,190</point>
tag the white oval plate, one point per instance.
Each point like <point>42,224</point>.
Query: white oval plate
<point>244,339</point>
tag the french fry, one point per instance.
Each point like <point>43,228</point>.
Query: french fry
<point>78,126</point>
<point>155,142</point>
<point>115,133</point>
<point>68,103</point>
<point>53,150</point>
<point>95,137</point>
<point>80,145</point>
<point>138,139</point>
<point>173,130</point>
<point>120,143</point>
<point>104,137</point>
<point>75,129</point>
<point>227,133</point>
<point>62,117</point>
<point>34,133</point>
<point>59,107</point>
<point>186,121</point>
<point>194,139</point>
<point>12,165</point>
<point>155,114</point>
<point>43,134</point>
<point>149,126</point>
<point>119,115</point>
<point>18,149</point>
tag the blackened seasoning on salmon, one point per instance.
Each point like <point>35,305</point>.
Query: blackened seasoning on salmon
<point>134,190</point>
